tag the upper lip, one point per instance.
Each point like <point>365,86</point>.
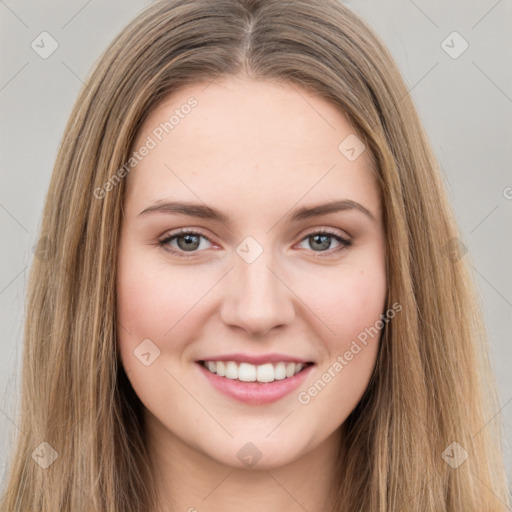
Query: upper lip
<point>257,359</point>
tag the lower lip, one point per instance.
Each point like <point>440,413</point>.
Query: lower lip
<point>256,393</point>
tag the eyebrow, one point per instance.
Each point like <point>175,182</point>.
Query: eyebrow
<point>205,212</point>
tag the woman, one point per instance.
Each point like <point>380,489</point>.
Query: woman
<point>254,295</point>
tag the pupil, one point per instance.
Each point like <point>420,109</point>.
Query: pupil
<point>323,240</point>
<point>192,242</point>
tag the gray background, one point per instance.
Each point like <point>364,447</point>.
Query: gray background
<point>465,104</point>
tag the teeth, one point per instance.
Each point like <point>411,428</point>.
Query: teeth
<point>290,369</point>
<point>246,372</point>
<point>265,372</point>
<point>221,368</point>
<point>280,371</point>
<point>231,370</point>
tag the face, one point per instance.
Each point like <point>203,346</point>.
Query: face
<point>229,259</point>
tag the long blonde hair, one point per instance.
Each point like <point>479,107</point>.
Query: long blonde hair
<point>432,384</point>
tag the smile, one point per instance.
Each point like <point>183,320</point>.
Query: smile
<point>255,384</point>
<point>247,372</point>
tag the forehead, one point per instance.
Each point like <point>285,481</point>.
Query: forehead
<point>247,138</point>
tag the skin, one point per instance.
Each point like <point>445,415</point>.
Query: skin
<point>256,151</point>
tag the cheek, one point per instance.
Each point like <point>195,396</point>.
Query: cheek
<point>350,302</point>
<point>144,293</point>
<point>346,301</point>
<point>352,308</point>
<point>361,301</point>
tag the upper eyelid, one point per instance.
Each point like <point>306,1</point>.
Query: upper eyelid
<point>184,231</point>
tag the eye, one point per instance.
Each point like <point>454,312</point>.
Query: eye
<point>321,241</point>
<point>185,240</point>
<point>190,241</point>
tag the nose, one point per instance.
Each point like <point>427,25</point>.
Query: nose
<point>257,299</point>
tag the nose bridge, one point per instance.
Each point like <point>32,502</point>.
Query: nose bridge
<point>256,299</point>
<point>257,284</point>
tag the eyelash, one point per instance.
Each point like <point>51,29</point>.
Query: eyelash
<point>321,254</point>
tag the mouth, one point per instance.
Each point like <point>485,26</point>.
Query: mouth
<point>255,384</point>
<point>247,372</point>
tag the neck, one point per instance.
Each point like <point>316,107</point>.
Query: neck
<point>189,480</point>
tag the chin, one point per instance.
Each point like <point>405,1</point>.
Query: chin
<point>259,452</point>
